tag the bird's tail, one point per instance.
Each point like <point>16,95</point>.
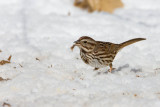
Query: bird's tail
<point>129,42</point>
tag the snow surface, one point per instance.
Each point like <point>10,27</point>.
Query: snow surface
<point>42,29</point>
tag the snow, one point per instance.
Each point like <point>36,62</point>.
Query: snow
<point>42,29</point>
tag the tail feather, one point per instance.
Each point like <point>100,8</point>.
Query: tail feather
<point>129,42</point>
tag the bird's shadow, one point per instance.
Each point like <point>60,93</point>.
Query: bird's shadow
<point>136,70</point>
<point>121,68</point>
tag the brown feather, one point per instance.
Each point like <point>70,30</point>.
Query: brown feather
<point>129,42</point>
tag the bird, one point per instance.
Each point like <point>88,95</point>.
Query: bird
<point>99,54</point>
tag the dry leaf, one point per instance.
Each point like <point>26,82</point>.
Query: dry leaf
<point>135,95</point>
<point>9,58</point>
<point>137,76</point>
<point>37,59</point>
<point>6,104</point>
<point>82,4</point>
<point>5,61</point>
<point>2,79</point>
<point>99,5</point>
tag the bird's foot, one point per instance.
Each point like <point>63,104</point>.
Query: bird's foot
<point>111,69</point>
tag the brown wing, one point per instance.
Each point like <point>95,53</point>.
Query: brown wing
<point>106,51</point>
<point>107,47</point>
<point>112,48</point>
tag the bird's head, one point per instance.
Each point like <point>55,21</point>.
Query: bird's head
<point>85,43</point>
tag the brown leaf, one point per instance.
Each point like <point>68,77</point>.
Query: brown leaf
<point>2,62</point>
<point>9,58</point>
<point>2,79</point>
<point>137,76</point>
<point>6,104</point>
<point>99,5</point>
<point>135,95</point>
<point>38,59</point>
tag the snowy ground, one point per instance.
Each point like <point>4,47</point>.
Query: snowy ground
<point>43,30</point>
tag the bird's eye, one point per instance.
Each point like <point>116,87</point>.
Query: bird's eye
<point>85,41</point>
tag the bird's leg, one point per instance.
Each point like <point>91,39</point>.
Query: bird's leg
<point>110,65</point>
<point>96,69</point>
<point>110,70</point>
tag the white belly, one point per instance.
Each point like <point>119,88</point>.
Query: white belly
<point>93,61</point>
<point>97,63</point>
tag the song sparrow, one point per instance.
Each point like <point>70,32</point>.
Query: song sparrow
<point>100,54</point>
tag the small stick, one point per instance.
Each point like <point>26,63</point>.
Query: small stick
<point>73,47</point>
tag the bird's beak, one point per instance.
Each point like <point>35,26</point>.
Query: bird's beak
<point>77,42</point>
